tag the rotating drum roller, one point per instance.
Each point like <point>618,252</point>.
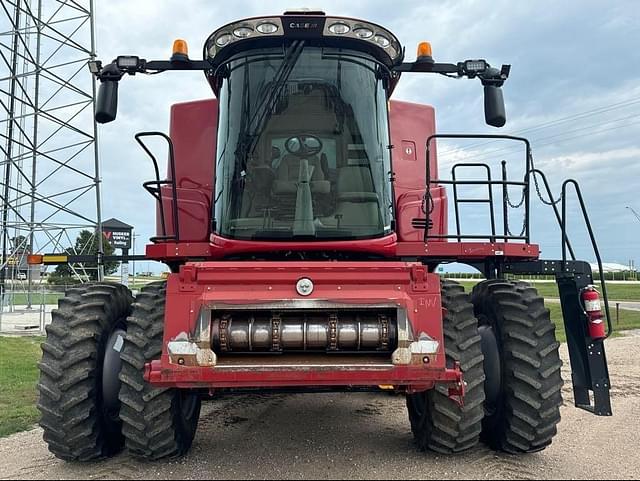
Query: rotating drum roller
<point>266,332</point>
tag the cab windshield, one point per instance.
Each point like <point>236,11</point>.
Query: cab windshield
<point>303,146</point>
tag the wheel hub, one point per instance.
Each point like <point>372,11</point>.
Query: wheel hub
<point>111,371</point>
<point>492,368</point>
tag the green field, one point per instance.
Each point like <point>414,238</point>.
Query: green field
<point>20,298</point>
<point>616,292</point>
<point>628,320</point>
<point>38,298</point>
<point>18,377</point>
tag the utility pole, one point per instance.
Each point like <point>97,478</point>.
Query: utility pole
<point>133,283</point>
<point>633,267</point>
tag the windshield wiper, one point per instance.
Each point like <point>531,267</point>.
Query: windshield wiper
<point>267,102</point>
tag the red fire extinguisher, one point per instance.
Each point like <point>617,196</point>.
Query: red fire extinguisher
<point>591,302</point>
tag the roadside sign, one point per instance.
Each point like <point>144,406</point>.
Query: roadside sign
<point>117,233</point>
<point>120,239</point>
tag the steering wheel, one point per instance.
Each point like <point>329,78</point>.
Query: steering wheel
<point>303,145</point>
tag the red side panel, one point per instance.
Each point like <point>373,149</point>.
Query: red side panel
<point>194,214</point>
<point>193,131</point>
<point>411,125</point>
<point>410,211</point>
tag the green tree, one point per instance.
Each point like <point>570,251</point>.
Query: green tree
<point>86,244</point>
<point>19,244</point>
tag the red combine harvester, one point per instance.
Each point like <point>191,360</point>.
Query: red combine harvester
<point>304,230</point>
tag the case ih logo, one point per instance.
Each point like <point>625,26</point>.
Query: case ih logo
<point>303,26</point>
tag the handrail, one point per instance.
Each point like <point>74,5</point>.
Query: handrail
<point>154,187</point>
<point>553,203</point>
<point>594,244</point>
<point>525,184</point>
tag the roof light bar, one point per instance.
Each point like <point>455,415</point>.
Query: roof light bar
<point>319,27</point>
<point>364,31</point>
<point>242,30</point>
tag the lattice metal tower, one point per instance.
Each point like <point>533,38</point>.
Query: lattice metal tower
<point>49,168</point>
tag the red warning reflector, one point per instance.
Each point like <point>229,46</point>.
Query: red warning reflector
<point>35,259</point>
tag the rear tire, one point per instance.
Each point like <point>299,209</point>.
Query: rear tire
<point>77,421</point>
<point>438,423</point>
<point>524,415</point>
<point>157,423</point>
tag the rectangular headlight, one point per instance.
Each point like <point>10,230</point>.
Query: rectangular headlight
<point>475,66</point>
<point>95,66</point>
<point>128,62</point>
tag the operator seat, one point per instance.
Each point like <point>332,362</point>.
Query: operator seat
<point>355,183</point>
<point>288,174</point>
<point>357,204</point>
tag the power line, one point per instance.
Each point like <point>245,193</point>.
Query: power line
<point>562,137</point>
<point>545,125</point>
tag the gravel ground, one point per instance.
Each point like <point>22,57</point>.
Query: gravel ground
<point>362,436</point>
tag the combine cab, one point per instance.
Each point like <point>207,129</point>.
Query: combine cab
<point>303,218</point>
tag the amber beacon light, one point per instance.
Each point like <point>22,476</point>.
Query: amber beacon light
<point>180,51</point>
<point>424,52</point>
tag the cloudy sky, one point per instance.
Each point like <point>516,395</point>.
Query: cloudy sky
<point>574,91</point>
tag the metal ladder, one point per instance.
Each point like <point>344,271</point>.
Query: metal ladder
<point>457,200</point>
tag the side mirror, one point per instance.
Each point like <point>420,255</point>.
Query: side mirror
<point>107,102</point>
<point>494,111</point>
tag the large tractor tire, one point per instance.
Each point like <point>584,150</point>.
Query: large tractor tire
<point>157,423</point>
<point>522,367</point>
<point>439,423</point>
<point>79,372</point>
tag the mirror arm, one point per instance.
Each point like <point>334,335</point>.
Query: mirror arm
<point>162,65</point>
<point>115,72</point>
<point>492,77</point>
<point>427,67</point>
<point>110,72</point>
<point>488,76</point>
